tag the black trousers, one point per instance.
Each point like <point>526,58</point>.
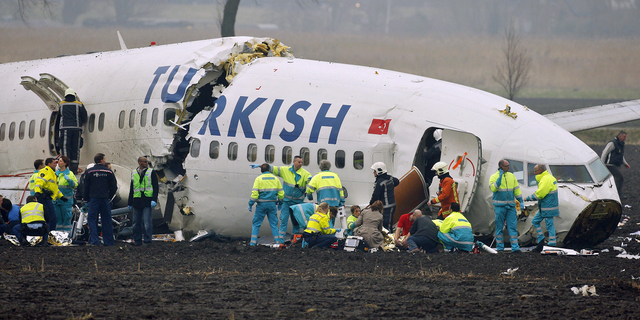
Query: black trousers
<point>387,218</point>
<point>617,177</point>
<point>70,146</point>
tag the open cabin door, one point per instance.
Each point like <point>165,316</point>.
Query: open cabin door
<point>462,151</point>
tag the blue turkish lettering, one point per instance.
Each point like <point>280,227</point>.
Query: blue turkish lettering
<point>268,126</point>
<point>323,121</point>
<point>160,71</point>
<point>242,115</point>
<point>294,118</point>
<point>211,122</point>
<point>175,97</point>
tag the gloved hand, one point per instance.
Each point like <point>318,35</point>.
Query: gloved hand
<point>310,196</point>
<point>499,181</point>
<point>253,166</point>
<point>130,208</point>
<point>250,208</point>
<point>63,198</point>
<point>66,177</point>
<point>338,230</point>
<point>153,204</point>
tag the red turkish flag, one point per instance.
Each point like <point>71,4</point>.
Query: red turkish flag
<point>379,126</point>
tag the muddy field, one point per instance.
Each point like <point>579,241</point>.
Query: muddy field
<point>234,281</point>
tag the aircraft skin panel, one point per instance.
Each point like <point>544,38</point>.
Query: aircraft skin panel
<point>598,116</point>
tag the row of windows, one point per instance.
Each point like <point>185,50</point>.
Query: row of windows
<point>22,130</point>
<point>270,154</point>
<point>169,114</point>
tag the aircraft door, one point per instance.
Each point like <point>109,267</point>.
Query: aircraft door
<point>462,151</point>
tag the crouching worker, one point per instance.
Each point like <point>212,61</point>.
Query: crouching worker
<point>455,231</point>
<point>351,221</point>
<point>33,221</point>
<point>319,233</point>
<point>301,213</point>
<point>423,234</point>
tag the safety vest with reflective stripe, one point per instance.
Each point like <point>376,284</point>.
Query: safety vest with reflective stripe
<point>319,223</point>
<point>506,193</point>
<point>142,186</point>
<point>546,195</point>
<point>47,180</point>
<point>32,181</point>
<point>292,178</point>
<point>32,212</point>
<point>328,187</point>
<point>266,188</point>
<point>304,211</point>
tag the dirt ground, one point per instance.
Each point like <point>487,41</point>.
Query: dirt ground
<point>234,281</point>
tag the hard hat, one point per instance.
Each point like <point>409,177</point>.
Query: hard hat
<point>379,167</point>
<point>69,91</point>
<point>440,168</point>
<point>437,134</point>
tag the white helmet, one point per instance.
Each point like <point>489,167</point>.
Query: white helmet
<point>379,167</point>
<point>437,134</point>
<point>70,91</point>
<point>440,168</point>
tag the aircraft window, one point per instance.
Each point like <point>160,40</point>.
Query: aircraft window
<point>575,173</point>
<point>143,118</point>
<point>21,129</point>
<point>121,120</point>
<point>3,128</point>
<point>530,175</point>
<point>92,122</point>
<point>340,159</point>
<point>305,155</point>
<point>43,127</point>
<point>12,131</point>
<point>269,154</point>
<point>214,149</point>
<point>169,115</point>
<point>195,148</point>
<point>599,170</point>
<point>252,152</point>
<point>517,168</point>
<point>154,117</point>
<point>287,155</point>
<point>358,160</point>
<point>132,118</point>
<point>322,155</point>
<point>232,153</point>
<point>32,129</point>
<point>101,122</point>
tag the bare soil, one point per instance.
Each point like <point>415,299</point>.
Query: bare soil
<point>217,280</point>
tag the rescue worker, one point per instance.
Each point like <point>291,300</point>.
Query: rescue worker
<point>72,116</point>
<point>46,190</point>
<point>295,179</point>
<point>319,233</point>
<point>12,217</point>
<point>432,155</point>
<point>447,190</point>
<point>351,221</point>
<point>327,185</point>
<point>67,183</point>
<point>143,197</point>
<point>267,192</point>
<point>383,191</point>
<point>547,197</point>
<point>506,197</point>
<point>302,212</point>
<point>613,157</point>
<point>455,231</point>
<point>33,221</point>
<point>100,187</point>
<point>402,229</point>
<point>423,234</point>
<point>38,165</point>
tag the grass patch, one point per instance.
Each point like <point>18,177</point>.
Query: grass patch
<point>601,136</point>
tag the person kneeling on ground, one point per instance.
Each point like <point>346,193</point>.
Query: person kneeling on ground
<point>351,221</point>
<point>369,225</point>
<point>423,234</point>
<point>455,231</point>
<point>33,221</point>
<point>319,233</point>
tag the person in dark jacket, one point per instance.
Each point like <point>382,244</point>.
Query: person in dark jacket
<point>383,191</point>
<point>143,197</point>
<point>99,187</point>
<point>72,116</point>
<point>423,234</point>
<point>613,157</point>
